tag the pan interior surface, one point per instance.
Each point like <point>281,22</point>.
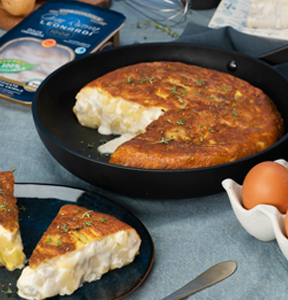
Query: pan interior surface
<point>75,146</point>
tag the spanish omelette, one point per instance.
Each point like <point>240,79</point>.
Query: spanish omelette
<point>179,116</point>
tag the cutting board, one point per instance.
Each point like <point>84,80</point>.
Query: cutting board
<point>8,21</point>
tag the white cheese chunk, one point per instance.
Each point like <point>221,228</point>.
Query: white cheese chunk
<point>268,14</point>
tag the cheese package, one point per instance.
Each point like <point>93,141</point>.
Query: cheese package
<point>79,246</point>
<point>268,14</point>
<point>54,34</point>
<point>11,248</point>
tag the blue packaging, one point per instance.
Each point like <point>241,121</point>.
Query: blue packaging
<point>54,34</point>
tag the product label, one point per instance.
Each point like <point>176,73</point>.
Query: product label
<point>56,33</point>
<point>14,66</point>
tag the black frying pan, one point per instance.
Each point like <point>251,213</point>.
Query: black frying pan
<point>75,146</point>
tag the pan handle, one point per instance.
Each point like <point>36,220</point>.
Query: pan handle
<point>276,57</point>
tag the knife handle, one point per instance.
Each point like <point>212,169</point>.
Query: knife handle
<point>207,278</point>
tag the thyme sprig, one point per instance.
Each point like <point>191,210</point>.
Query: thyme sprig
<point>65,228</point>
<point>4,206</point>
<point>128,79</point>
<point>87,214</point>
<point>89,223</point>
<point>163,141</point>
<point>157,25</point>
<point>181,122</point>
<point>23,208</point>
<point>9,291</point>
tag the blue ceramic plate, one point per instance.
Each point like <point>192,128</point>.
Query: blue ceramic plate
<point>42,203</point>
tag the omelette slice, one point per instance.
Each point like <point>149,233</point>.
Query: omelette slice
<point>11,248</point>
<point>79,246</point>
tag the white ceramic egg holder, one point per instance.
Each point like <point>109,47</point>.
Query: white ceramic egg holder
<point>264,222</point>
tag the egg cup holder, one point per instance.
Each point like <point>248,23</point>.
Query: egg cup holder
<point>264,222</point>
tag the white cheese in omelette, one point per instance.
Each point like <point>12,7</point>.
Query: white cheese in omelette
<point>112,115</point>
<point>79,246</point>
<point>11,248</point>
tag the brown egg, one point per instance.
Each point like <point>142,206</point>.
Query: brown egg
<point>266,183</point>
<point>286,224</point>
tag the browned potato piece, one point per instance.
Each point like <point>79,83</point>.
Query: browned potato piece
<point>19,7</point>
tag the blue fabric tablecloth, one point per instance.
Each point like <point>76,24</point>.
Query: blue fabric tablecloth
<point>190,235</point>
<point>230,39</point>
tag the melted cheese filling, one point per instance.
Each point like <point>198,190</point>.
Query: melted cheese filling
<point>95,109</point>
<point>112,145</point>
<point>11,250</point>
<point>64,274</point>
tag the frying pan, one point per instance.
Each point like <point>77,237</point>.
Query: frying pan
<point>74,146</point>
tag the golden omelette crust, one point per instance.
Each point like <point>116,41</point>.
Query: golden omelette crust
<point>72,228</point>
<point>8,207</point>
<point>210,117</point>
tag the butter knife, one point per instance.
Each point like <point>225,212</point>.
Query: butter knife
<point>207,278</point>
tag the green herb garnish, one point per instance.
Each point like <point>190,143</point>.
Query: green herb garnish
<point>103,141</point>
<point>59,243</point>
<point>181,122</point>
<point>180,99</point>
<point>184,92</point>
<point>129,78</point>
<point>163,141</point>
<point>234,112</point>
<point>200,81</point>
<point>157,25</point>
<point>64,228</point>
<point>23,208</point>
<point>9,291</point>
<point>87,214</point>
<point>174,90</point>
